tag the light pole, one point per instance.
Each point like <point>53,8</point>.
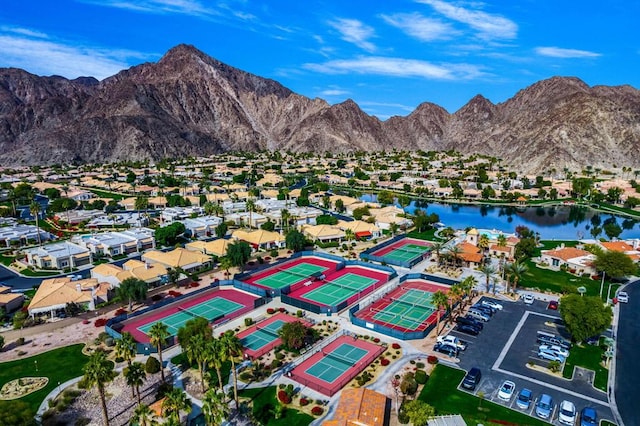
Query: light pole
<point>36,364</point>
<point>602,284</point>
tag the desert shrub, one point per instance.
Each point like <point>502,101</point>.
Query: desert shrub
<point>289,390</point>
<point>152,366</point>
<point>299,313</point>
<point>270,311</point>
<point>248,321</point>
<point>245,376</point>
<point>100,322</point>
<point>283,397</point>
<point>156,297</point>
<point>421,377</point>
<point>82,421</point>
<point>119,359</point>
<point>412,362</point>
<point>280,355</point>
<point>304,402</point>
<point>120,311</point>
<point>109,342</point>
<point>420,364</point>
<point>20,341</point>
<point>376,340</point>
<point>276,363</point>
<point>408,385</point>
<point>317,410</point>
<point>282,310</point>
<point>395,345</point>
<point>432,359</point>
<point>384,362</point>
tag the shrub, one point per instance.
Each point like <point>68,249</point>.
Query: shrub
<point>299,313</point>
<point>119,359</point>
<point>248,321</point>
<point>270,311</point>
<point>420,364</point>
<point>283,397</point>
<point>100,322</point>
<point>395,345</point>
<point>156,297</point>
<point>152,366</point>
<point>109,342</point>
<point>421,377</point>
<point>412,362</point>
<point>20,341</point>
<point>245,376</point>
<point>282,310</point>
<point>120,311</point>
<point>554,366</point>
<point>289,390</point>
<point>317,410</point>
<point>276,363</point>
<point>280,355</point>
<point>304,401</point>
<point>163,389</point>
<point>384,362</point>
<point>432,359</point>
<point>195,284</point>
<point>376,340</point>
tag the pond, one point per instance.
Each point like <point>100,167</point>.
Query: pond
<point>552,223</point>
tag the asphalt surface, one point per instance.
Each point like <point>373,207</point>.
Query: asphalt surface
<point>627,369</point>
<point>505,346</point>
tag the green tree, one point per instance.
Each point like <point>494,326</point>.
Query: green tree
<point>295,240</point>
<point>198,352</point>
<point>525,248</point>
<point>98,372</point>
<point>293,334</point>
<point>158,335</point>
<point>419,412</point>
<point>515,271</point>
<point>1,342</point>
<point>360,212</point>
<point>132,289</point>
<point>268,226</point>
<point>194,327</point>
<point>126,347</point>
<point>612,230</point>
<point>339,206</point>
<point>175,401</point>
<point>135,376</point>
<point>141,203</point>
<point>225,263</point>
<point>488,271</point>
<point>221,230</point>
<point>233,349</point>
<point>584,316</point>
<point>385,197</point>
<point>326,219</point>
<point>615,264</point>
<point>440,300</point>
<point>168,235</point>
<point>34,209</point>
<point>16,413</point>
<point>217,359</point>
<point>239,253</point>
<point>214,407</point>
<point>144,416</point>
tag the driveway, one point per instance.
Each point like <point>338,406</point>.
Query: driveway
<point>505,346</point>
<point>627,371</point>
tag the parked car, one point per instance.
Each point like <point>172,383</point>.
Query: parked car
<point>453,340</point>
<point>492,304</point>
<point>506,390</point>
<point>478,315</point>
<point>472,378</point>
<point>553,305</point>
<point>528,299</point>
<point>555,348</point>
<point>623,297</point>
<point>567,413</point>
<point>485,309</point>
<point>588,417</point>
<point>524,399</point>
<point>550,355</point>
<point>544,407</point>
<point>467,329</point>
<point>470,321</point>
<point>446,348</point>
<point>546,338</point>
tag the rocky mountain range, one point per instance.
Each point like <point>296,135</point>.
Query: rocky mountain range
<point>189,104</point>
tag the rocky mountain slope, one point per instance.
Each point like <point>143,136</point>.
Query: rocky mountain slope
<point>191,104</point>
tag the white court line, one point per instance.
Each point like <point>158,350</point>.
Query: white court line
<point>506,348</point>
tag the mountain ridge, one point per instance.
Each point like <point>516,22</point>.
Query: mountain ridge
<point>190,104</point>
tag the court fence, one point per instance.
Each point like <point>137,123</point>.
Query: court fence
<point>369,256</point>
<point>387,329</point>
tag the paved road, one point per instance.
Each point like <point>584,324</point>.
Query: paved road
<point>627,371</point>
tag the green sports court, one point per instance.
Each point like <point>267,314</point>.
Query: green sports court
<point>331,293</point>
<point>405,253</point>
<point>291,275</point>
<point>410,310</point>
<point>211,310</point>
<point>335,363</point>
<point>262,336</point>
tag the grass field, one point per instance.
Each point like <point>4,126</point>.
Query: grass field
<point>441,393</point>
<point>587,356</point>
<point>429,235</point>
<point>264,401</point>
<point>58,365</point>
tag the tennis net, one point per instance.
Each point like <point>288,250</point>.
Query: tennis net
<point>344,361</point>
<point>337,284</point>
<point>269,332</point>
<point>295,274</point>
<point>188,312</point>
<point>419,304</point>
<point>415,251</point>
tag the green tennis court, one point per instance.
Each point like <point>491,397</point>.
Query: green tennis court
<point>289,276</point>
<point>262,336</point>
<point>211,309</point>
<point>407,252</point>
<point>333,292</point>
<point>335,363</point>
<point>410,310</point>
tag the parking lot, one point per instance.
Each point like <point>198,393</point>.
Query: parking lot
<point>505,346</point>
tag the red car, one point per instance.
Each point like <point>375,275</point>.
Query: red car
<point>553,304</point>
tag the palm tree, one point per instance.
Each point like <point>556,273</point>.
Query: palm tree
<point>225,263</point>
<point>217,358</point>
<point>34,209</point>
<point>437,247</point>
<point>144,416</point>
<point>197,351</point>
<point>455,253</point>
<point>251,206</point>
<point>126,347</point>
<point>516,270</point>
<point>214,407</point>
<point>439,300</point>
<point>176,400</point>
<point>209,208</point>
<point>502,240</point>
<point>488,271</point>
<point>135,376</point>
<point>467,285</point>
<point>232,348</point>
<point>158,335</point>
<point>98,372</point>
<point>483,242</point>
<point>349,234</point>
<point>456,293</point>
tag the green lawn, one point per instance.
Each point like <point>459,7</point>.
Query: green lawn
<point>556,281</point>
<point>59,365</point>
<point>6,260</point>
<point>587,356</point>
<point>429,234</point>
<point>30,273</point>
<point>441,393</point>
<point>264,400</point>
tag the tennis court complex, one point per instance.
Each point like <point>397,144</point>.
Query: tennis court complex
<point>409,310</point>
<point>262,336</point>
<point>335,363</point>
<point>211,310</point>
<point>288,276</point>
<point>333,292</point>
<point>405,252</point>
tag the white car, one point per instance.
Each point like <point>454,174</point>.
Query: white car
<point>528,299</point>
<point>623,297</point>
<point>506,390</point>
<point>452,340</point>
<point>567,413</point>
<point>490,303</point>
<point>555,348</point>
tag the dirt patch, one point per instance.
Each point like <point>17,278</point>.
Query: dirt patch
<point>20,387</point>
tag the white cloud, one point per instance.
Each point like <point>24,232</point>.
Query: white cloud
<point>558,52</point>
<point>420,27</point>
<point>489,26</point>
<point>185,7</point>
<point>334,92</point>
<point>46,57</point>
<point>386,105</point>
<point>354,31</point>
<point>23,31</point>
<point>397,67</point>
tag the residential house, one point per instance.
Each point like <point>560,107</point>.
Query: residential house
<point>114,244</point>
<point>187,260</point>
<point>323,233</point>
<point>631,249</point>
<point>118,220</point>
<point>362,230</point>
<point>385,216</point>
<point>216,248</point>
<point>260,239</point>
<point>174,214</point>
<point>470,255</point>
<point>253,219</point>
<point>575,260</point>
<point>54,294</point>
<point>21,235</point>
<point>58,256</point>
<point>153,275</point>
<point>10,301</point>
<point>203,226</point>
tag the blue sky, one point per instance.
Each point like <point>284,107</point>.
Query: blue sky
<point>387,55</point>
